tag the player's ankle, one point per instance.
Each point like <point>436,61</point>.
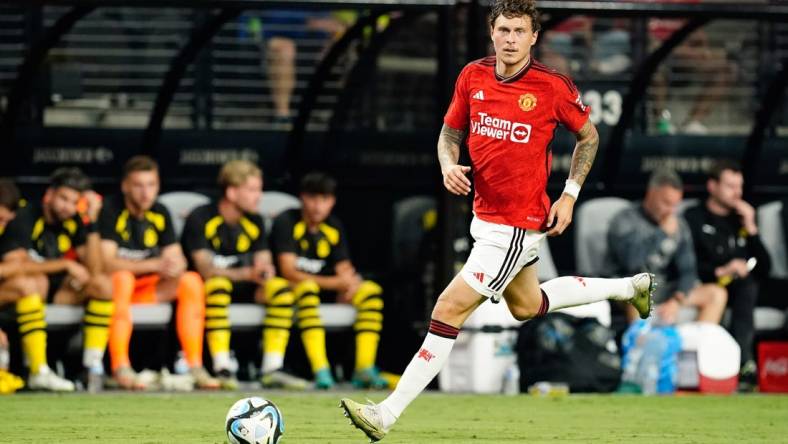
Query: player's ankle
<point>387,417</point>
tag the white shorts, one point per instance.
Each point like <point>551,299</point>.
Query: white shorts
<point>498,254</point>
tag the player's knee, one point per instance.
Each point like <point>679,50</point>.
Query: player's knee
<point>218,284</point>
<point>307,287</point>
<point>276,285</point>
<point>23,285</point>
<point>122,285</point>
<point>369,296</point>
<point>278,293</point>
<point>370,287</point>
<point>190,285</point>
<point>448,309</point>
<point>522,313</point>
<point>100,287</point>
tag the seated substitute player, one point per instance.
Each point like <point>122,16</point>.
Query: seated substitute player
<point>67,249</point>
<point>651,235</point>
<point>311,251</point>
<point>731,255</point>
<point>139,248</point>
<point>25,290</point>
<point>510,105</point>
<point>226,243</point>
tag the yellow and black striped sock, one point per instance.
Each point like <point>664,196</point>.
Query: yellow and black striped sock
<point>95,325</point>
<point>278,322</point>
<point>368,301</point>
<point>313,334</point>
<point>217,320</point>
<point>30,316</point>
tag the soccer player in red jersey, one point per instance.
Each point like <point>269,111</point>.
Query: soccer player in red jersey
<point>508,105</point>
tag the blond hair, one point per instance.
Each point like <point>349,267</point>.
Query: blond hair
<point>235,172</point>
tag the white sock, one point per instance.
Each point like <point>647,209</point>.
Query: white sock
<point>569,291</point>
<point>221,361</point>
<point>92,357</point>
<point>424,366</point>
<point>273,362</point>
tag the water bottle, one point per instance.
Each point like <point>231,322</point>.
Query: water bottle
<point>647,376</point>
<point>5,357</point>
<point>511,380</point>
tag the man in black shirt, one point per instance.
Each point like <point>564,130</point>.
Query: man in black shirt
<point>65,246</point>
<point>226,243</point>
<point>311,251</point>
<point>139,248</point>
<point>20,286</point>
<point>730,252</point>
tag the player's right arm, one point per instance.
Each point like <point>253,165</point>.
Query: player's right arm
<point>454,175</point>
<point>15,250</point>
<point>203,262</point>
<point>51,266</point>
<point>286,264</point>
<point>112,263</point>
<point>455,122</point>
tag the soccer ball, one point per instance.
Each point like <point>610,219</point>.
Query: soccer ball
<point>254,421</point>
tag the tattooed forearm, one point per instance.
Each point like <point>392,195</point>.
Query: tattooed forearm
<point>449,143</point>
<point>585,152</point>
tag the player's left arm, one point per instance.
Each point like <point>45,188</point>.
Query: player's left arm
<point>351,279</point>
<point>560,215</point>
<point>173,260</point>
<point>585,153</point>
<point>263,264</point>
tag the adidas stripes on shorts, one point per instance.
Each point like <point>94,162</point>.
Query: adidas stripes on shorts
<point>499,252</point>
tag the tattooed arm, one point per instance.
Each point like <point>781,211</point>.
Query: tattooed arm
<point>560,215</point>
<point>454,178</point>
<point>585,152</point>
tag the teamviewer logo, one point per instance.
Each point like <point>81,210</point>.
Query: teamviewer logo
<point>521,132</point>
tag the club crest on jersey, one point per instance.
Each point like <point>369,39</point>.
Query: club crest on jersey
<point>527,102</point>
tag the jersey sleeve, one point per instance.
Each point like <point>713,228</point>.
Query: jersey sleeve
<point>193,238</point>
<point>282,240</point>
<point>16,235</point>
<point>458,114</point>
<point>81,234</point>
<point>261,243</point>
<point>570,110</point>
<point>106,223</point>
<point>168,235</point>
<point>341,250</point>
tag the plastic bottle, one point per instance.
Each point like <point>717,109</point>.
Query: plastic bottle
<point>511,380</point>
<point>5,357</point>
<point>664,125</point>
<point>654,345</point>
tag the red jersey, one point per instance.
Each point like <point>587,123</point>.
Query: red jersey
<point>511,123</point>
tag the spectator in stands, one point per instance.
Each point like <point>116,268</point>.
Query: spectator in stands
<point>25,289</point>
<point>280,30</point>
<point>730,254</point>
<point>147,265</point>
<point>66,248</point>
<point>226,243</point>
<point>650,235</point>
<point>699,58</point>
<point>311,252</point>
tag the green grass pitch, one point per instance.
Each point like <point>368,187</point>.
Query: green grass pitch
<point>433,418</point>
